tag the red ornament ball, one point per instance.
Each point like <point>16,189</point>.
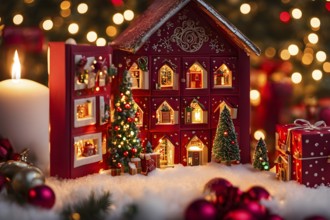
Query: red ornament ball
<point>257,193</point>
<point>119,109</point>
<point>130,119</point>
<point>134,150</point>
<point>125,153</point>
<point>42,196</point>
<point>117,128</point>
<point>127,106</point>
<point>239,214</point>
<point>216,190</point>
<point>200,209</point>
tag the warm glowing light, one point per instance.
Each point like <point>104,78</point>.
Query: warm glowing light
<point>245,8</point>
<point>65,13</point>
<point>18,19</point>
<point>28,1</point>
<point>47,24</point>
<point>111,31</point>
<point>313,38</point>
<point>118,18</point>
<point>128,15</point>
<point>296,13</point>
<point>317,75</point>
<point>255,97</point>
<point>307,58</point>
<point>293,49</point>
<point>285,55</point>
<point>315,22</point>
<point>259,134</point>
<point>73,28</point>
<point>82,8</point>
<point>101,42</point>
<point>270,52</point>
<point>65,5</point>
<point>91,36</point>
<point>296,77</point>
<point>16,67</point>
<point>326,67</point>
<point>321,56</point>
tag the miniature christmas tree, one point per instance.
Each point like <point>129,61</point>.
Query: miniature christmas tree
<point>124,142</point>
<point>260,158</point>
<point>149,147</point>
<point>225,146</point>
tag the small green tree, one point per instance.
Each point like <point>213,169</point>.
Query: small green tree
<point>260,157</point>
<point>124,141</point>
<point>225,146</point>
<point>149,147</point>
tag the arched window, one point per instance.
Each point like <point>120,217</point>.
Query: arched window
<point>196,77</point>
<point>166,77</point>
<point>195,113</point>
<point>166,115</point>
<point>197,152</point>
<point>136,76</point>
<point>138,116</point>
<point>166,150</point>
<point>223,77</point>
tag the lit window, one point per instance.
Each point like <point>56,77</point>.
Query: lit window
<point>166,150</point>
<point>196,152</point>
<point>195,113</point>
<point>138,116</point>
<point>223,77</point>
<point>196,77</point>
<point>166,75</point>
<point>165,114</point>
<point>136,76</point>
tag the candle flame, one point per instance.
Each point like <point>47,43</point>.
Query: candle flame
<point>16,67</point>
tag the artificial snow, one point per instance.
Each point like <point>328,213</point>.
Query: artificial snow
<point>165,193</point>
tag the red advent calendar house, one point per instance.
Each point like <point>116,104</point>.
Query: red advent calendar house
<point>186,62</point>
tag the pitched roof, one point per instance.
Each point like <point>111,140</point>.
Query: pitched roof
<point>160,11</point>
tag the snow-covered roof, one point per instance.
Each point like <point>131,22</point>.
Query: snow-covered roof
<point>160,11</point>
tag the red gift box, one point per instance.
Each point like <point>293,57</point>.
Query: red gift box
<point>147,164</point>
<point>304,153</point>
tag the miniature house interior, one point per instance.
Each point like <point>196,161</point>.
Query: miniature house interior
<point>166,150</point>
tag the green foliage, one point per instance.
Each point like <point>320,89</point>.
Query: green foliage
<point>260,158</point>
<point>225,146</point>
<point>149,147</point>
<point>91,208</point>
<point>124,143</point>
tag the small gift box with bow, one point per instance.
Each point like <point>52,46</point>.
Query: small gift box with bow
<point>303,153</point>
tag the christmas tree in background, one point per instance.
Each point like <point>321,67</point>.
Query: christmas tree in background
<point>149,147</point>
<point>260,158</point>
<point>225,146</point>
<point>124,143</point>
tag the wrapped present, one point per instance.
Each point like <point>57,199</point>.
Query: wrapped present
<point>132,168</point>
<point>137,162</point>
<point>116,171</point>
<point>307,159</point>
<point>154,156</point>
<point>147,164</point>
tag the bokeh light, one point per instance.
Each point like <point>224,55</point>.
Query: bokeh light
<point>73,28</point>
<point>245,8</point>
<point>296,13</point>
<point>91,36</point>
<point>293,49</point>
<point>118,18</point>
<point>255,97</point>
<point>259,134</point>
<point>285,17</point>
<point>296,77</point>
<point>111,31</point>
<point>321,56</point>
<point>313,38</point>
<point>18,19</point>
<point>317,75</point>
<point>82,8</point>
<point>128,15</point>
<point>101,42</point>
<point>47,24</point>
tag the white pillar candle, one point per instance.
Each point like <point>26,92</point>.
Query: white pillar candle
<point>24,118</point>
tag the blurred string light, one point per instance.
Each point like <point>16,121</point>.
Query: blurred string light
<point>321,56</point>
<point>73,28</point>
<point>285,16</point>
<point>91,36</point>
<point>111,31</point>
<point>255,97</point>
<point>315,23</point>
<point>260,133</point>
<point>317,75</point>
<point>313,38</point>
<point>47,24</point>
<point>101,42</point>
<point>118,18</point>
<point>128,15</point>
<point>18,19</point>
<point>245,8</point>
<point>296,13</point>
<point>296,77</point>
<point>293,49</point>
<point>82,8</point>
<point>326,67</point>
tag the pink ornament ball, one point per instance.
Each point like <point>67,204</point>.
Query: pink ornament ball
<point>259,211</point>
<point>201,209</point>
<point>257,193</point>
<point>239,214</point>
<point>42,196</point>
<point>217,189</point>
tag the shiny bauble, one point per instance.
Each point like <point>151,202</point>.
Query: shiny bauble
<point>42,196</point>
<point>257,193</point>
<point>239,214</point>
<point>27,178</point>
<point>216,190</point>
<point>11,167</point>
<point>259,211</point>
<point>201,209</point>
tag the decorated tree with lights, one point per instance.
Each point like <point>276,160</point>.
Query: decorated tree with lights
<point>225,145</point>
<point>124,141</point>
<point>260,157</point>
